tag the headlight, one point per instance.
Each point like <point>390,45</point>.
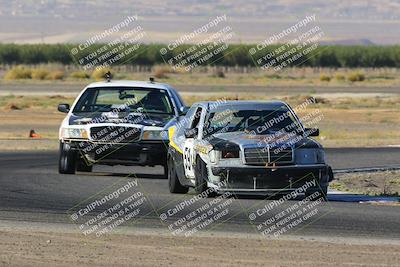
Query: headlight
<point>155,135</point>
<point>214,156</point>
<point>310,156</point>
<point>74,133</point>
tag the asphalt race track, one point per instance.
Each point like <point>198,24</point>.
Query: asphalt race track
<point>32,190</point>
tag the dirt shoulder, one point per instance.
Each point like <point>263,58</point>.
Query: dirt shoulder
<point>385,183</point>
<point>47,248</point>
<point>59,244</point>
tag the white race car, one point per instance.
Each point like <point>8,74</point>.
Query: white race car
<point>247,148</point>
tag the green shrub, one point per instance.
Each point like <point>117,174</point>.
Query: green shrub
<point>99,73</point>
<point>17,73</point>
<point>80,75</point>
<point>39,74</point>
<point>324,78</point>
<point>356,77</point>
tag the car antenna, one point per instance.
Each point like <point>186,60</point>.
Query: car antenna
<point>151,79</point>
<point>108,76</point>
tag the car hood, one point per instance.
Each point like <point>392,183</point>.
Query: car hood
<point>159,120</point>
<point>235,139</point>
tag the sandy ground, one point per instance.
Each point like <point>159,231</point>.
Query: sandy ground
<point>52,247</point>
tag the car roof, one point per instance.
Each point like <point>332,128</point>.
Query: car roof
<point>241,104</point>
<point>128,83</point>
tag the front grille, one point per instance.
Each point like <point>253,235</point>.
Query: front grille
<point>114,134</point>
<point>262,156</point>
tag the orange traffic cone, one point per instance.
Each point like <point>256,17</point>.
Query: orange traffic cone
<point>32,134</point>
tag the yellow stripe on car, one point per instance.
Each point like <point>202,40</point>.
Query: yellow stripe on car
<point>171,132</point>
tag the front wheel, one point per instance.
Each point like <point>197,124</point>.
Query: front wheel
<point>173,181</point>
<point>200,173</point>
<point>67,160</point>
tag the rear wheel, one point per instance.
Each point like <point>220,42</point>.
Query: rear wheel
<point>67,159</point>
<point>173,182</point>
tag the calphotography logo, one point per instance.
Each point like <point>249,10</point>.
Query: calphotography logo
<point>292,46</point>
<point>190,216</point>
<point>104,212</point>
<point>113,46</point>
<point>285,215</point>
<point>204,45</point>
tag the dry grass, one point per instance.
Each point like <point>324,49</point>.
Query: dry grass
<point>80,75</point>
<point>378,77</point>
<point>56,75</point>
<point>162,71</point>
<point>48,103</point>
<point>99,73</point>
<point>39,74</point>
<point>375,183</point>
<point>17,73</point>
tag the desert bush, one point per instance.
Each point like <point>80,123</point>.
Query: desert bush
<point>339,77</point>
<point>80,75</point>
<point>39,74</point>
<point>99,73</point>
<point>161,71</point>
<point>219,73</point>
<point>17,73</point>
<point>56,75</point>
<point>12,106</point>
<point>356,77</point>
<point>324,78</point>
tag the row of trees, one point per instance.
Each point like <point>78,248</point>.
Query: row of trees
<point>234,55</point>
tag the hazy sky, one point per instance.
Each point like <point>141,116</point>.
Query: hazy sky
<point>52,21</point>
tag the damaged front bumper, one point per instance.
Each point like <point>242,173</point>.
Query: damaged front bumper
<point>269,180</point>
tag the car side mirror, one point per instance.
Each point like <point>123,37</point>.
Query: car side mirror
<point>63,108</point>
<point>191,133</point>
<point>312,131</point>
<point>183,110</point>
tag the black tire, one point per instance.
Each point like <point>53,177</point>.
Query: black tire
<point>67,160</point>
<point>83,166</point>
<point>200,173</point>
<point>173,182</point>
<point>323,193</point>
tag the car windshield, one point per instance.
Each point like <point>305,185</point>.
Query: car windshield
<point>120,99</point>
<point>255,121</point>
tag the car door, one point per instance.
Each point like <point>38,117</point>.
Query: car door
<point>189,155</point>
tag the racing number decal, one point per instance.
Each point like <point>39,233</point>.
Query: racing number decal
<point>188,158</point>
